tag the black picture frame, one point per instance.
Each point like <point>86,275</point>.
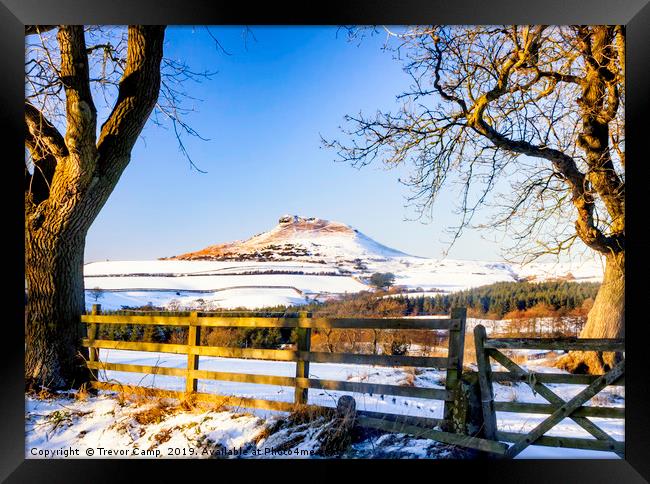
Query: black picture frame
<point>15,14</point>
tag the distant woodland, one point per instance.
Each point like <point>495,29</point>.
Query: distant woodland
<point>502,300</point>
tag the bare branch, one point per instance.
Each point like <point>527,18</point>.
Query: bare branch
<point>42,137</point>
<point>486,99</point>
<point>138,91</point>
<point>38,29</point>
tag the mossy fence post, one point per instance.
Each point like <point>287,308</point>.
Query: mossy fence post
<point>485,381</point>
<point>193,339</point>
<point>303,345</point>
<point>456,348</point>
<point>464,413</point>
<point>93,353</point>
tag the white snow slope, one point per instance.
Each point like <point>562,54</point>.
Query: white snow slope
<point>301,259</point>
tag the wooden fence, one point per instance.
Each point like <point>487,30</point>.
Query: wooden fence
<point>557,408</point>
<point>303,323</point>
<point>469,413</point>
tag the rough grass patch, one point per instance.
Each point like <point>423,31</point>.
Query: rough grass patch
<point>154,414</point>
<point>164,435</point>
<point>408,380</point>
<point>82,393</point>
<point>303,414</point>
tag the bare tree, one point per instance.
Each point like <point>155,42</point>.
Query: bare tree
<point>97,293</point>
<point>72,167</point>
<point>538,107</point>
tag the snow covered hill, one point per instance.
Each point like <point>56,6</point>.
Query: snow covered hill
<point>299,260</point>
<point>300,238</point>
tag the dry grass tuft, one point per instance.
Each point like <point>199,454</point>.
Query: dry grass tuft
<point>189,403</point>
<point>157,411</point>
<point>137,395</point>
<point>265,433</point>
<point>336,437</point>
<point>82,394</point>
<point>517,357</point>
<point>331,430</point>
<point>304,414</point>
<point>164,435</point>
<point>469,352</point>
<point>155,414</point>
<point>44,394</point>
<point>335,434</point>
<point>410,375</point>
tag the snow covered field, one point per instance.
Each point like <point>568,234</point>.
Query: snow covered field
<point>100,427</point>
<point>250,298</point>
<point>226,284</point>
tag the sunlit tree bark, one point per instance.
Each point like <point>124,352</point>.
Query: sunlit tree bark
<point>68,178</point>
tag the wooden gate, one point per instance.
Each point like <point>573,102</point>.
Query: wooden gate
<point>558,408</point>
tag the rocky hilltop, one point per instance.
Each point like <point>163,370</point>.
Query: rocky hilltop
<point>299,238</point>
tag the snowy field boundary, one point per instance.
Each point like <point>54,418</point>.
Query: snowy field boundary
<point>372,401</point>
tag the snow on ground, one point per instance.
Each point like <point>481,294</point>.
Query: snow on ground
<point>130,430</point>
<point>582,271</point>
<point>250,298</point>
<point>112,426</point>
<point>54,425</point>
<point>308,283</point>
<point>136,283</point>
<point>199,268</point>
<point>327,371</point>
<point>414,294</point>
<point>217,284</point>
<point>544,325</point>
<point>106,427</point>
<point>448,275</point>
<point>300,260</point>
<point>611,396</point>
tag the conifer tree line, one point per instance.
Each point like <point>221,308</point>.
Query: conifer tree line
<point>499,299</point>
<point>494,301</point>
<point>516,300</point>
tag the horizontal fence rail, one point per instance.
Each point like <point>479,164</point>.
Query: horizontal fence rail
<point>303,323</point>
<point>501,376</point>
<point>569,442</point>
<point>567,344</point>
<point>274,322</point>
<point>275,355</point>
<point>548,408</point>
<point>444,437</point>
<point>357,387</point>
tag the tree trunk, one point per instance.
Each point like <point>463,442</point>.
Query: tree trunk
<point>606,320</point>
<point>55,299</point>
<point>71,180</point>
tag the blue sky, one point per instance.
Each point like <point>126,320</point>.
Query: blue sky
<point>264,112</point>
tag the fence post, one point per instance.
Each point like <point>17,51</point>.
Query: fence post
<point>91,333</point>
<point>455,352</point>
<point>468,418</point>
<point>303,343</point>
<point>485,382</point>
<point>193,339</point>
